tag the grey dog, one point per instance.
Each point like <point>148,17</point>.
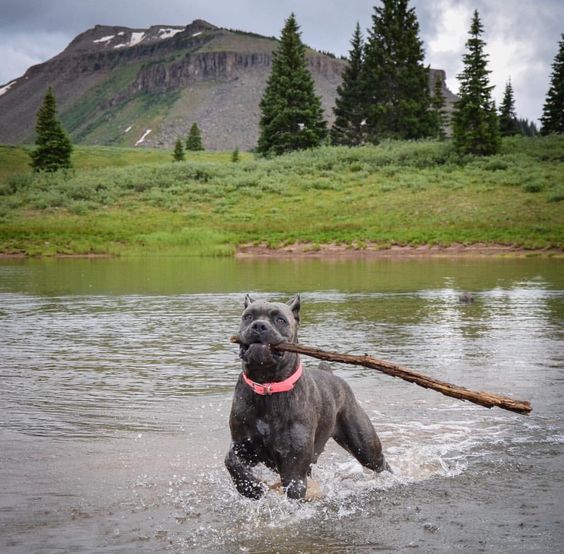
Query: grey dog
<point>288,430</point>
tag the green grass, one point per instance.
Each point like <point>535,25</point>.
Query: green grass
<point>14,160</point>
<point>121,201</point>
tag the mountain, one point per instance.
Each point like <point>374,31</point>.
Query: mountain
<point>145,87</point>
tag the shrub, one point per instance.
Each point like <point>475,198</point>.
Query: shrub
<point>533,186</point>
<point>556,195</point>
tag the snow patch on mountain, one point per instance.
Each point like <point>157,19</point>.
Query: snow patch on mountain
<point>136,38</point>
<point>6,88</point>
<point>104,39</point>
<point>143,137</point>
<point>167,33</point>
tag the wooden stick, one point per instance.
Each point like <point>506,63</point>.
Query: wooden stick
<point>487,399</point>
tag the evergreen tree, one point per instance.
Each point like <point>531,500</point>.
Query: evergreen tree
<point>438,103</point>
<point>475,123</point>
<point>194,140</point>
<point>396,82</point>
<point>553,110</point>
<point>508,124</point>
<point>53,146</point>
<point>291,113</point>
<point>178,155</point>
<point>527,128</point>
<point>235,155</point>
<point>350,117</point>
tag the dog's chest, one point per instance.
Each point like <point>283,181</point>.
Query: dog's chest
<point>263,429</point>
<point>269,430</point>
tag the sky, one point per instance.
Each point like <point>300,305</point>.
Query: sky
<point>521,35</point>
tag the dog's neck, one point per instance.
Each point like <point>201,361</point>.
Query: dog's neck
<point>274,374</point>
<point>268,389</point>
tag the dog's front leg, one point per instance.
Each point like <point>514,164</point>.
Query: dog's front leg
<point>293,474</point>
<point>295,486</point>
<point>239,461</point>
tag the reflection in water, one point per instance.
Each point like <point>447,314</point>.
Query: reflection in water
<point>117,378</point>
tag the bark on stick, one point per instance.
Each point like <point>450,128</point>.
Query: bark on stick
<point>487,399</point>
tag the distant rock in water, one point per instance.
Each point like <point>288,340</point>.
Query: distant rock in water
<point>466,298</point>
<point>113,83</point>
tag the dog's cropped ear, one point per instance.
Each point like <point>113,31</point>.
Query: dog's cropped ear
<point>248,300</point>
<point>295,304</point>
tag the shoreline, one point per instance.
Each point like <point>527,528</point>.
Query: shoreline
<point>331,251</point>
<point>24,256</point>
<point>306,250</point>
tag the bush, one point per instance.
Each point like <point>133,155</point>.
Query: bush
<point>16,183</point>
<point>533,186</point>
<point>556,195</point>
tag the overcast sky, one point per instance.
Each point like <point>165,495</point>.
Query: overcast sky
<point>522,35</point>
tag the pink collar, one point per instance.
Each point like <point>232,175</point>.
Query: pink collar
<point>266,389</point>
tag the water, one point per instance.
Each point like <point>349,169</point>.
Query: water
<point>116,383</point>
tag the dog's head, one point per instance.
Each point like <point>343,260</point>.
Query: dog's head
<point>266,323</point>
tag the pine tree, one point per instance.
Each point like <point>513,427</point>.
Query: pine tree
<point>53,146</point>
<point>291,113</point>
<point>350,117</point>
<point>527,128</point>
<point>553,110</point>
<point>508,124</point>
<point>438,103</point>
<point>178,155</point>
<point>235,155</point>
<point>475,123</point>
<point>194,140</point>
<point>396,82</point>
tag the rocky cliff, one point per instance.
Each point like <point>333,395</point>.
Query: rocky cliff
<point>145,87</point>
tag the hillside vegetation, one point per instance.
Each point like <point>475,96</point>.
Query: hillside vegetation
<point>124,201</point>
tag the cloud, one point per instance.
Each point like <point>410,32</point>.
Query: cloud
<point>450,29</point>
<point>446,45</point>
<point>23,50</point>
<point>14,60</point>
<point>521,41</point>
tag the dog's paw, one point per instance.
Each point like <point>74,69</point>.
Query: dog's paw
<point>251,489</point>
<point>313,491</point>
<point>276,487</point>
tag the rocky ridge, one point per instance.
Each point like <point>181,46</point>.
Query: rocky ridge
<point>145,87</point>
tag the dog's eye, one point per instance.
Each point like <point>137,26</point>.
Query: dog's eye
<point>248,317</point>
<point>281,320</point>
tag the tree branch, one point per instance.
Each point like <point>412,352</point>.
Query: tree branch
<point>487,399</point>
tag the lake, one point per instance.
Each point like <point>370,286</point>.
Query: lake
<point>117,376</point>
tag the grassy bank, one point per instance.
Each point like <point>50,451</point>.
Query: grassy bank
<point>14,160</point>
<point>126,201</point>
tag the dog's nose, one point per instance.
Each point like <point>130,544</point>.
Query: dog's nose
<point>259,326</point>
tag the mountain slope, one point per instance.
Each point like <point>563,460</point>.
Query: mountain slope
<point>145,87</point>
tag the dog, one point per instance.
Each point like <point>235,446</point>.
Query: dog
<point>282,415</point>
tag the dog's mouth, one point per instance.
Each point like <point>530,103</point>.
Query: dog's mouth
<point>246,351</point>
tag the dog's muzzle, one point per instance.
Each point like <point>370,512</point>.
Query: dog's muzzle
<point>258,353</point>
